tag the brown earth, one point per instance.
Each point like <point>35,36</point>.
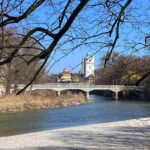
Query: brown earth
<point>39,99</point>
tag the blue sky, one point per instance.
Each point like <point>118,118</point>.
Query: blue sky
<point>74,59</point>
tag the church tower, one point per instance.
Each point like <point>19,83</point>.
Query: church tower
<point>88,66</point>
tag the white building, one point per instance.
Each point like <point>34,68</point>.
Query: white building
<point>87,68</point>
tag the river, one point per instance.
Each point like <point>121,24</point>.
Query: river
<point>99,110</point>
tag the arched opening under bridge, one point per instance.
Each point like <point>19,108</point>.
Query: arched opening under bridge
<point>131,94</point>
<point>50,93</point>
<point>105,93</point>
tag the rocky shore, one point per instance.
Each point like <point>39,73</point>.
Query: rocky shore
<point>39,99</point>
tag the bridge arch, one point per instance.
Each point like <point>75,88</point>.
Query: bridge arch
<point>76,90</point>
<point>104,92</point>
<point>134,94</point>
<point>73,91</point>
<point>44,92</point>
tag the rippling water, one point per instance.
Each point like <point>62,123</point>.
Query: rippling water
<point>99,109</point>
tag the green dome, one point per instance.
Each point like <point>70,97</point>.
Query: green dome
<point>88,55</point>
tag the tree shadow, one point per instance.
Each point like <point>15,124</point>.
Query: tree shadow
<point>121,138</point>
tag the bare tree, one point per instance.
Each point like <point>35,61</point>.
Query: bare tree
<point>124,69</point>
<point>94,24</point>
<point>18,72</point>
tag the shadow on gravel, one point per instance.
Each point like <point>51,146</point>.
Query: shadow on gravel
<point>57,148</point>
<point>122,138</point>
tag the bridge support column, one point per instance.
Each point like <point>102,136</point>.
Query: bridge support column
<point>11,91</point>
<point>58,93</point>
<point>87,95</point>
<point>30,88</point>
<point>116,96</point>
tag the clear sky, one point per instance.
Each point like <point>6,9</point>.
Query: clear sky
<point>127,33</point>
<point>74,58</point>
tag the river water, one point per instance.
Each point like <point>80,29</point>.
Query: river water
<point>99,110</point>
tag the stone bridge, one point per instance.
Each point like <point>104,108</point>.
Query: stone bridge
<point>78,86</point>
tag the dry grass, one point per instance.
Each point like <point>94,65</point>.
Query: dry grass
<point>39,100</point>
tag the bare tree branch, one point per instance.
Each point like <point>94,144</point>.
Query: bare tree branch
<point>12,19</point>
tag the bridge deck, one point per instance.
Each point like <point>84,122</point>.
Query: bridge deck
<point>78,86</point>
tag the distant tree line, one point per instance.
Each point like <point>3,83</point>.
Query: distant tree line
<point>124,69</point>
<point>18,71</point>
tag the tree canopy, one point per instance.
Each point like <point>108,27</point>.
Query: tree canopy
<point>66,25</point>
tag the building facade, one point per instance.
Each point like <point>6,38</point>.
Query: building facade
<point>65,76</point>
<point>87,68</point>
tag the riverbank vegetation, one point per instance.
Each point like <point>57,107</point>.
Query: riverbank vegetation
<point>125,70</point>
<point>39,99</point>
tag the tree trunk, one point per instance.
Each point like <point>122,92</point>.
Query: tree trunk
<point>8,79</point>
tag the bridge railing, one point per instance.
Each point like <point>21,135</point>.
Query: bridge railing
<point>74,85</point>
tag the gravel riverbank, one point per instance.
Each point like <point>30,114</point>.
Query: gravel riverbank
<point>121,135</point>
